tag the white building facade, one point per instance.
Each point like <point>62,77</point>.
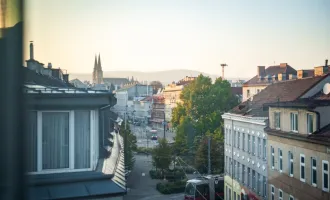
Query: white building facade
<point>245,156</point>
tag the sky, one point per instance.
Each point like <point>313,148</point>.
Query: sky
<point>156,35</point>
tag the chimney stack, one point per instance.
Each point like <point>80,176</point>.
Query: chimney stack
<point>66,77</point>
<point>326,62</point>
<point>261,71</point>
<point>283,64</point>
<point>49,66</point>
<point>31,51</point>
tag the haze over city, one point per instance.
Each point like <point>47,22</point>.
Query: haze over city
<point>161,35</point>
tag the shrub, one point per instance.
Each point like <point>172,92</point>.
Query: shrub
<point>156,174</point>
<point>171,187</point>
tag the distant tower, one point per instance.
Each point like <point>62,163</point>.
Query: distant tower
<point>97,72</point>
<point>223,70</point>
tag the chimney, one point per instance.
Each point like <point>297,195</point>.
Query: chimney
<point>283,64</point>
<point>261,71</point>
<point>31,51</point>
<point>66,77</point>
<point>49,66</point>
<point>326,62</point>
<point>321,70</point>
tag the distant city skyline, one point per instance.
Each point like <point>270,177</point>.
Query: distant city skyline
<point>159,35</point>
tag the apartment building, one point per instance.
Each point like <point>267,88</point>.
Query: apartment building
<point>266,76</point>
<point>299,148</point>
<point>246,141</point>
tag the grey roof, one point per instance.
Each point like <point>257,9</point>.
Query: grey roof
<point>116,81</point>
<point>40,89</point>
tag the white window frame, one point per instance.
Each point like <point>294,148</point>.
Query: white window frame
<point>249,143</point>
<point>264,149</point>
<point>280,158</point>
<point>308,125</point>
<point>243,141</point>
<point>302,165</point>
<point>279,196</point>
<point>291,197</point>
<point>312,169</point>
<point>238,140</point>
<point>71,144</point>
<point>291,161</point>
<point>259,147</point>
<point>253,145</point>
<point>272,192</point>
<point>279,120</point>
<point>272,150</point>
<point>325,172</point>
<point>294,122</point>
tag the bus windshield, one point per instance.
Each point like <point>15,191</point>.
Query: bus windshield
<point>190,189</point>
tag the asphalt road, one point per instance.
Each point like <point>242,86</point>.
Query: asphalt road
<point>143,136</point>
<point>141,186</point>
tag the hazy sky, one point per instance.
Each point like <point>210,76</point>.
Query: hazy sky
<point>153,35</point>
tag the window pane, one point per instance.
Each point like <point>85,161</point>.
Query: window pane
<point>82,139</point>
<point>55,140</point>
<point>325,166</point>
<point>314,176</point>
<point>31,138</point>
<point>326,180</point>
<point>302,172</point>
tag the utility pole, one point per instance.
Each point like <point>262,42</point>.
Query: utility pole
<point>209,154</point>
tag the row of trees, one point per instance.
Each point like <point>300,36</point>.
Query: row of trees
<point>199,117</point>
<point>131,145</point>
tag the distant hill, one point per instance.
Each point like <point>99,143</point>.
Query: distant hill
<point>165,77</point>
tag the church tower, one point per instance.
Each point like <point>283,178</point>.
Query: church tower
<point>97,72</point>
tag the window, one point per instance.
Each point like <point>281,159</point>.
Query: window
<point>273,192</point>
<point>294,122</point>
<point>234,168</point>
<point>243,142</point>
<point>238,171</point>
<point>264,192</point>
<point>313,171</point>
<point>280,194</point>
<point>290,163</point>
<point>234,139</point>
<point>273,157</point>
<point>253,179</point>
<point>230,167</point>
<point>56,138</point>
<point>235,196</point>
<point>238,197</point>
<point>291,197</point>
<point>253,145</point>
<point>249,143</point>
<point>325,175</point>
<point>239,140</point>
<point>229,194</point>
<point>310,124</point>
<point>248,93</point>
<point>280,160</point>
<point>249,177</point>
<point>259,147</point>
<point>277,122</point>
<point>265,149</point>
<point>243,173</point>
<point>302,167</point>
<point>260,185</point>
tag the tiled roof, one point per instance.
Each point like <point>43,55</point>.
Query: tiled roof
<point>283,91</point>
<point>322,134</point>
<point>31,77</point>
<point>271,70</point>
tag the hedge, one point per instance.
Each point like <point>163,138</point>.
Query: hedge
<point>170,175</point>
<point>171,187</point>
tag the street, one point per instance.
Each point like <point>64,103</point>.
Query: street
<point>141,186</point>
<point>143,136</point>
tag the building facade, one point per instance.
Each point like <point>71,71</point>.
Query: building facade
<point>246,141</point>
<point>298,146</point>
<point>158,112</point>
<point>172,94</point>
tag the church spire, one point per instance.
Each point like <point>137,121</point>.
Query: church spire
<point>99,63</point>
<point>95,63</point>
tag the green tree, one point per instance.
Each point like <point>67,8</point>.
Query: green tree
<point>203,103</point>
<point>131,145</point>
<point>162,155</point>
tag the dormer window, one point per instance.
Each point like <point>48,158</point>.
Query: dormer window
<point>277,120</point>
<point>294,122</point>
<point>310,123</point>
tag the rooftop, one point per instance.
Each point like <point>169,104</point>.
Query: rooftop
<point>32,77</point>
<point>271,71</point>
<point>283,91</point>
